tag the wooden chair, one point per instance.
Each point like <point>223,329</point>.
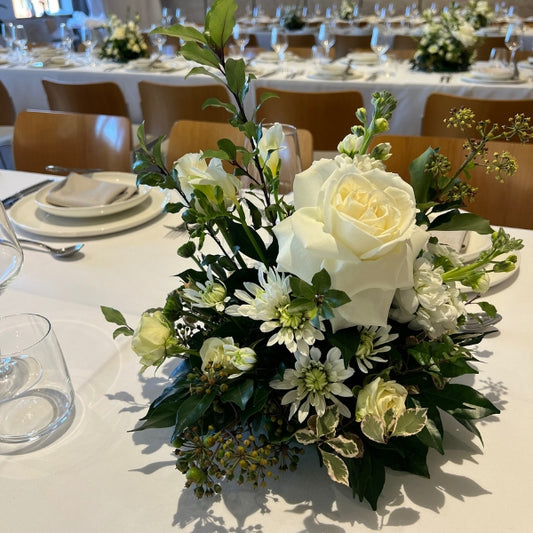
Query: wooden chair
<point>194,135</point>
<point>504,204</point>
<point>313,111</point>
<point>101,98</point>
<point>162,105</point>
<point>7,108</point>
<point>344,44</point>
<point>438,108</point>
<point>301,40</point>
<point>78,140</point>
<point>486,44</point>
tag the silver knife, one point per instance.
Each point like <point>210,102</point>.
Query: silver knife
<point>10,200</point>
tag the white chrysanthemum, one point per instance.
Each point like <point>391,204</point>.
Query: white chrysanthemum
<point>311,383</point>
<point>207,295</point>
<point>374,340</point>
<point>269,302</point>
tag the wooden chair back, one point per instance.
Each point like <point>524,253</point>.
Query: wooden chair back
<point>78,140</point>
<point>438,106</point>
<point>7,108</point>
<point>504,204</point>
<point>345,43</point>
<point>101,98</point>
<point>188,136</point>
<point>301,40</point>
<point>312,111</point>
<point>486,44</point>
<point>162,105</point>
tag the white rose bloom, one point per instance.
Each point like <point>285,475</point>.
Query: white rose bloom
<point>195,173</point>
<point>150,338</point>
<point>465,34</point>
<point>380,396</point>
<point>360,226</point>
<point>119,34</point>
<point>433,49</point>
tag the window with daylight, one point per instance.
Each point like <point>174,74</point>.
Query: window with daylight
<point>40,8</point>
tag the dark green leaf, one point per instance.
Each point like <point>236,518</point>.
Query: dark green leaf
<point>420,179</point>
<point>455,221</point>
<point>219,22</point>
<point>367,477</point>
<point>113,316</point>
<point>239,393</point>
<point>191,410</point>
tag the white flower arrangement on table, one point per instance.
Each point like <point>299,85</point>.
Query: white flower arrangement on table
<point>478,13</point>
<point>346,11</point>
<point>124,41</point>
<point>333,322</point>
<point>447,43</point>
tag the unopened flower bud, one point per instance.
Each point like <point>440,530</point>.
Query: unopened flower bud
<point>381,151</point>
<point>382,124</point>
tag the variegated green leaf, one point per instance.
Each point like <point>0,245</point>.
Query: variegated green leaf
<point>337,469</point>
<point>305,437</point>
<point>327,423</point>
<point>373,428</point>
<point>345,446</point>
<point>410,422</point>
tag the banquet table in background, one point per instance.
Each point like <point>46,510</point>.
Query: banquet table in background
<point>98,476</point>
<point>410,88</point>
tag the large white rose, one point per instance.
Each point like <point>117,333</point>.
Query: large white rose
<point>360,226</point>
<point>378,397</point>
<point>195,173</point>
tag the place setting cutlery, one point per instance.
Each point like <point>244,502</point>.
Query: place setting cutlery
<point>58,253</point>
<point>14,198</point>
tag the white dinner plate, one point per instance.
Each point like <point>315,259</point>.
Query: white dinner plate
<point>46,64</point>
<point>322,75</point>
<point>362,58</point>
<point>27,216</point>
<point>528,65</point>
<point>122,178</point>
<point>472,79</point>
<point>478,243</point>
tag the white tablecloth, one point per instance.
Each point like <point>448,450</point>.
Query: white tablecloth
<point>98,477</point>
<point>409,87</point>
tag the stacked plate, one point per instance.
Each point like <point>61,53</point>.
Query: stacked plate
<point>334,71</point>
<point>487,73</point>
<point>35,214</point>
<point>362,58</point>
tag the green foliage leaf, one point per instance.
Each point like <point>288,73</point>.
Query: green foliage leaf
<point>219,22</point>
<point>191,410</point>
<point>456,221</point>
<point>420,179</point>
<point>113,316</point>
<point>243,243</point>
<point>239,393</point>
<point>336,467</point>
<point>410,422</point>
<point>257,403</point>
<point>327,423</point>
<point>187,33</point>
<point>193,52</point>
<point>367,477</point>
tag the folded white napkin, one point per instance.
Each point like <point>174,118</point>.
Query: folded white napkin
<point>80,191</point>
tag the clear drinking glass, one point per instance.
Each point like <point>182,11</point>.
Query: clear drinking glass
<point>89,39</point>
<point>20,41</point>
<point>279,42</point>
<point>241,36</point>
<point>36,394</point>
<point>381,41</point>
<point>67,38</point>
<point>11,256</point>
<point>498,57</point>
<point>326,37</point>
<point>513,39</point>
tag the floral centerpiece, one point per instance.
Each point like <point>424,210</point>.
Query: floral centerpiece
<point>346,11</point>
<point>447,43</point>
<point>333,321</point>
<point>292,19</point>
<point>478,13</point>
<point>124,41</point>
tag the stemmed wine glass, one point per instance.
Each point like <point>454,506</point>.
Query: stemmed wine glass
<point>89,39</point>
<point>158,40</point>
<point>381,41</point>
<point>241,37</point>
<point>67,38</point>
<point>326,38</point>
<point>279,43</point>
<point>513,39</point>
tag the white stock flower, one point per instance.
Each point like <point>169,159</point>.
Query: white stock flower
<point>313,382</point>
<point>360,226</point>
<point>195,173</point>
<point>350,145</point>
<point>465,34</point>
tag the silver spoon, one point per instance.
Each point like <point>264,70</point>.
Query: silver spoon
<point>66,251</point>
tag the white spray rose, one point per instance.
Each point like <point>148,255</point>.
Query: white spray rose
<point>150,338</point>
<point>360,226</point>
<point>195,173</point>
<point>380,396</point>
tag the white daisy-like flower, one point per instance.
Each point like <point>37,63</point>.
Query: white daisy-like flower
<point>269,302</point>
<point>312,382</point>
<point>374,340</point>
<point>207,295</point>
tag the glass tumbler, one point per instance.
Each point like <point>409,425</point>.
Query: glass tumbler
<point>36,394</point>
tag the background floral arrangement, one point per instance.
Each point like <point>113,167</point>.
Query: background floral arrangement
<point>478,13</point>
<point>352,351</point>
<point>447,43</point>
<point>346,11</point>
<point>292,19</point>
<point>124,41</point>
